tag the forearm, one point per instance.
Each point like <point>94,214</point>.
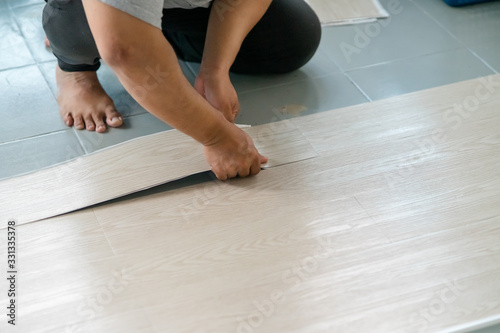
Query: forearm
<point>230,22</point>
<point>148,68</point>
<point>157,83</point>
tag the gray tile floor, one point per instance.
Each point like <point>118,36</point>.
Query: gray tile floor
<point>423,44</point>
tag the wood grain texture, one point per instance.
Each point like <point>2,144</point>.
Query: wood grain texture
<point>337,12</point>
<point>344,242</point>
<point>130,167</point>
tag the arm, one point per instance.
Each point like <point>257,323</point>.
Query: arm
<point>230,22</point>
<point>147,66</point>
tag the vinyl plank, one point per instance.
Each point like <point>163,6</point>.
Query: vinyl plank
<point>347,11</point>
<point>63,263</point>
<point>325,244</point>
<point>114,172</point>
<point>376,288</point>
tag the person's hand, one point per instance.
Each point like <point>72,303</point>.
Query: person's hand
<point>218,90</point>
<point>233,154</point>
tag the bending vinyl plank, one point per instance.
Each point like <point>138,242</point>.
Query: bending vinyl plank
<point>130,167</point>
<point>336,12</point>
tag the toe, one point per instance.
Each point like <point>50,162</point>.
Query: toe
<point>100,126</point>
<point>89,123</point>
<point>113,117</point>
<point>68,120</point>
<point>78,122</point>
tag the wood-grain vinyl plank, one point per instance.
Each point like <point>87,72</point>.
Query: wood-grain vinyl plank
<point>129,167</point>
<point>334,12</point>
<point>350,241</point>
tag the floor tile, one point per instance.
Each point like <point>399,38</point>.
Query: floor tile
<point>27,107</point>
<point>29,19</point>
<point>298,98</point>
<point>13,49</point>
<point>473,25</point>
<point>19,3</point>
<point>133,127</point>
<point>319,65</point>
<point>35,153</point>
<point>490,53</point>
<point>491,329</point>
<point>408,75</point>
<point>386,40</point>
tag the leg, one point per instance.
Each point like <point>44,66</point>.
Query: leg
<point>81,98</point>
<point>284,40</point>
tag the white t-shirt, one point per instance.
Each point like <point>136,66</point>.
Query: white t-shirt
<point>151,11</point>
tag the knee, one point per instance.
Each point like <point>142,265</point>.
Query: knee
<point>66,27</point>
<point>304,30</point>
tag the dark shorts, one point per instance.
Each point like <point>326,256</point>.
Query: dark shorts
<point>284,40</point>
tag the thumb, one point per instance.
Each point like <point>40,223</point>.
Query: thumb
<point>263,159</point>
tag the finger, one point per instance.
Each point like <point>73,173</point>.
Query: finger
<point>244,172</point>
<point>236,110</point>
<point>255,169</point>
<point>263,159</point>
<point>219,174</point>
<point>228,113</point>
<point>232,174</point>
<point>199,86</point>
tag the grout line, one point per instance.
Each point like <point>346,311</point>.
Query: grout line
<point>287,83</point>
<point>437,22</point>
<point>482,60</point>
<point>358,87</point>
<point>75,131</point>
<point>406,58</point>
<point>33,136</point>
<point>19,67</point>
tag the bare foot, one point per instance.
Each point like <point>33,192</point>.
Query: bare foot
<point>83,103</point>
